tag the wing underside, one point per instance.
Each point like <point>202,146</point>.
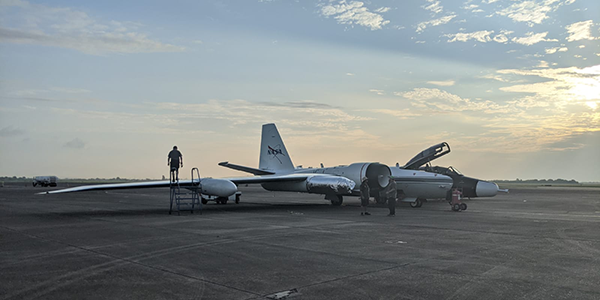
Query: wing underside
<point>270,178</point>
<point>117,186</point>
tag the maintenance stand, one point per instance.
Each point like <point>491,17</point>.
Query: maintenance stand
<point>184,200</point>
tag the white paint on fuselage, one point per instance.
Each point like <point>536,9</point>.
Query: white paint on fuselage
<point>414,184</point>
<point>421,184</point>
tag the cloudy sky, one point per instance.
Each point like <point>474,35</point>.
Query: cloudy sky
<point>106,88</point>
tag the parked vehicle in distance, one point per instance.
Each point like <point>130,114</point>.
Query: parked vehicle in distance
<point>45,181</point>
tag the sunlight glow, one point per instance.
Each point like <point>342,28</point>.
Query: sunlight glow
<point>586,88</point>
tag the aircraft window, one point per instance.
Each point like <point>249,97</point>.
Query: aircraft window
<point>453,169</point>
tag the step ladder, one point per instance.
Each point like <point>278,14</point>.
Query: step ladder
<point>188,198</point>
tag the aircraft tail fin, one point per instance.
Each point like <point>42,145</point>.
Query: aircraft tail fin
<point>273,155</point>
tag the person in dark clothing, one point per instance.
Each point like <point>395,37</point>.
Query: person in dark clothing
<point>175,160</point>
<point>364,197</point>
<point>391,195</point>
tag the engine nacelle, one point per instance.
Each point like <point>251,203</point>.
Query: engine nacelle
<point>328,185</point>
<point>378,175</point>
<point>316,184</point>
<point>218,187</point>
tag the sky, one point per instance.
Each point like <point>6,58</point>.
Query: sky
<point>106,88</point>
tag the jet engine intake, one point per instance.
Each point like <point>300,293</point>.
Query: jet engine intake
<point>329,184</point>
<point>378,175</point>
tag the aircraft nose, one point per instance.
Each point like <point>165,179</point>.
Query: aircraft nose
<point>486,189</point>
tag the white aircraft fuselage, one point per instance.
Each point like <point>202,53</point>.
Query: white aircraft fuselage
<point>334,182</point>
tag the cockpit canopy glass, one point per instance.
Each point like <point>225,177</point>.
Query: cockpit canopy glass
<point>454,170</point>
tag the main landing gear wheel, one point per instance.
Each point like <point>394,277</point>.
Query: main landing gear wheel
<point>338,201</point>
<point>417,203</point>
<point>463,206</point>
<point>204,201</point>
<point>456,207</point>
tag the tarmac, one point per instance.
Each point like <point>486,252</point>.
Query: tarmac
<point>533,243</point>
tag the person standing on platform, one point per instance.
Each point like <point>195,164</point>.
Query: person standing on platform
<point>175,160</point>
<point>364,196</point>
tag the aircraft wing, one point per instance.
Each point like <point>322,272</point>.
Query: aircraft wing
<point>270,178</point>
<point>182,183</point>
<point>116,186</point>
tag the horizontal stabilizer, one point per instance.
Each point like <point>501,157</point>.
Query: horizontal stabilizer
<point>245,169</point>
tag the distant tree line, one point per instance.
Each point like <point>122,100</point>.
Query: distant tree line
<point>540,181</point>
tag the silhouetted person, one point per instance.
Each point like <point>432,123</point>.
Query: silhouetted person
<point>175,160</point>
<point>391,195</point>
<point>364,196</point>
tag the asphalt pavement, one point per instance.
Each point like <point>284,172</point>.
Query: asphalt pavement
<point>533,243</point>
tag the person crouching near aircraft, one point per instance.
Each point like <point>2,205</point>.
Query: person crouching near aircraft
<point>391,195</point>
<point>364,197</point>
<point>175,160</point>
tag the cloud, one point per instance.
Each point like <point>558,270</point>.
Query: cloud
<point>10,131</point>
<point>472,7</point>
<point>436,22</point>
<point>378,92</point>
<point>298,104</point>
<point>382,9</point>
<point>70,90</point>
<point>502,36</point>
<point>556,49</point>
<point>75,144</point>
<point>434,7</point>
<point>561,86</point>
<point>438,100</point>
<point>242,112</point>
<point>525,132</point>
<point>402,114</point>
<point>580,31</point>
<point>38,24</point>
<point>442,83</point>
<point>355,13</point>
<point>481,36</point>
<point>531,38</point>
<point>531,12</point>
<point>543,64</point>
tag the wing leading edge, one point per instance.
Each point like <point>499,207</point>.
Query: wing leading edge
<point>117,186</point>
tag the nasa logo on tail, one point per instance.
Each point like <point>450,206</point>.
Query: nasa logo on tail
<point>275,151</point>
